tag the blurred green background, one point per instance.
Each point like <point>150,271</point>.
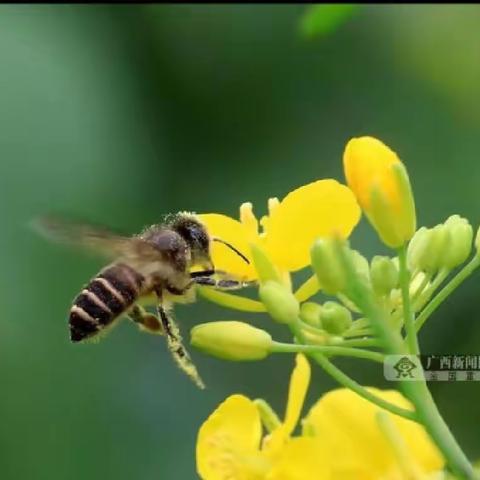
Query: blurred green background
<point>122,114</point>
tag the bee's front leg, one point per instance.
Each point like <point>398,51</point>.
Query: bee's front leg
<point>222,283</point>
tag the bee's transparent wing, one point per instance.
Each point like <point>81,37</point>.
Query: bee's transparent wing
<point>95,239</point>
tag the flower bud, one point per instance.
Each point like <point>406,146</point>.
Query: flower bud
<point>383,274</point>
<point>360,264</point>
<point>328,266</point>
<point>231,340</point>
<point>279,301</point>
<point>460,241</point>
<point>418,248</point>
<point>310,313</point>
<point>265,268</point>
<point>439,242</point>
<point>428,247</point>
<point>380,182</point>
<point>335,318</point>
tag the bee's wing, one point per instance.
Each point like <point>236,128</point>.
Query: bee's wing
<point>96,239</point>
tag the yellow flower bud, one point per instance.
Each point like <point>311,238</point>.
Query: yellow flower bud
<point>231,340</point>
<point>383,274</point>
<point>279,301</point>
<point>328,266</point>
<point>310,313</point>
<point>380,182</point>
<point>460,241</point>
<point>335,318</point>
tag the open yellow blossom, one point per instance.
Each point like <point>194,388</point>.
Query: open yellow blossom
<point>358,449</point>
<point>322,208</point>
<point>230,447</point>
<point>380,182</point>
<point>342,438</point>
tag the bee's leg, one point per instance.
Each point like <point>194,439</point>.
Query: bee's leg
<point>147,322</point>
<point>174,342</point>
<point>222,283</point>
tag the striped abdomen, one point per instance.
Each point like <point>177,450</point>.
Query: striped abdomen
<point>107,296</point>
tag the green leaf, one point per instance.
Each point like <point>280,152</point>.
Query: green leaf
<point>325,19</point>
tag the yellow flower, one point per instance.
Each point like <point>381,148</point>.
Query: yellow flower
<point>380,182</point>
<point>346,425</point>
<point>322,208</point>
<point>343,438</point>
<point>230,447</point>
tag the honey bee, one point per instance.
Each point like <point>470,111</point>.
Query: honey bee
<point>155,263</point>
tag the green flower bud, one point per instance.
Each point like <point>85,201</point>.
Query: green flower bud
<point>418,248</point>
<point>231,340</point>
<point>310,313</point>
<point>265,268</point>
<point>428,247</point>
<point>328,266</point>
<point>335,318</point>
<point>361,266</point>
<point>279,301</point>
<point>438,245</point>
<point>384,275</point>
<point>460,241</point>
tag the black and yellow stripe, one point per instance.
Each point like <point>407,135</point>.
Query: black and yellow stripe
<point>106,297</point>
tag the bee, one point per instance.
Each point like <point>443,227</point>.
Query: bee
<point>156,264</point>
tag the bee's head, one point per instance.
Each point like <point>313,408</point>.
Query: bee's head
<point>196,236</point>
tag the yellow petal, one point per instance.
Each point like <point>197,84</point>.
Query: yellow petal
<point>346,426</point>
<point>249,220</point>
<point>235,233</point>
<point>301,459</point>
<point>228,442</point>
<point>299,382</point>
<point>322,208</point>
<point>367,163</point>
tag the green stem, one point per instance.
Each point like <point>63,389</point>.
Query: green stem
<point>269,418</point>
<point>426,278</point>
<point>435,425</point>
<point>361,342</point>
<point>427,293</point>
<point>408,316</point>
<point>327,350</point>
<point>348,382</point>
<point>358,333</point>
<point>436,301</point>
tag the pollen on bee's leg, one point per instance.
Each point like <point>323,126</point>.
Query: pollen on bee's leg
<point>177,349</point>
<point>147,322</point>
<point>152,324</point>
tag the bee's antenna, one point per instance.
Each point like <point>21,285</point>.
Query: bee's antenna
<point>231,247</point>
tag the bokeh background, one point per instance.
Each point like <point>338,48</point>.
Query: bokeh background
<point>122,114</point>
